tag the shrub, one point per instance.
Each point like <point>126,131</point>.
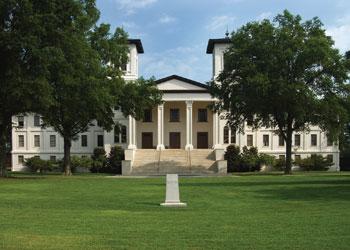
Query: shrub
<point>233,158</point>
<point>114,161</point>
<point>80,163</point>
<point>267,160</point>
<point>315,163</point>
<point>249,160</point>
<point>99,160</point>
<point>35,164</point>
<point>280,164</point>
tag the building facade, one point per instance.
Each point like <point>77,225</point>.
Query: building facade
<point>182,122</point>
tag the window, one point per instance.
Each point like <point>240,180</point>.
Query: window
<point>37,141</point>
<point>20,121</point>
<point>330,158</point>
<point>280,141</point>
<point>84,141</point>
<point>266,140</point>
<point>124,67</point>
<point>249,140</point>
<point>52,157</point>
<point>147,115</point>
<point>37,121</point>
<point>226,135</point>
<point>282,157</point>
<point>20,159</point>
<point>297,140</point>
<point>329,141</point>
<point>297,158</point>
<point>250,122</point>
<point>100,141</point>
<point>233,136</point>
<point>21,141</point>
<point>313,140</point>
<point>124,138</point>
<point>116,134</point>
<point>202,115</point>
<point>174,115</point>
<point>52,141</point>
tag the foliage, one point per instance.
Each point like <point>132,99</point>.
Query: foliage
<point>79,163</point>
<point>249,160</point>
<point>114,160</point>
<point>267,160</point>
<point>35,164</point>
<point>314,163</point>
<point>280,164</point>
<point>99,160</point>
<point>232,156</point>
<point>284,74</point>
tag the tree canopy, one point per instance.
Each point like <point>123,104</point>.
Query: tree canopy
<point>285,74</point>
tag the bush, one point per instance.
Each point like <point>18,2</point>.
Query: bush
<point>249,160</point>
<point>233,158</point>
<point>315,163</point>
<point>35,164</point>
<point>280,164</point>
<point>267,160</point>
<point>99,160</point>
<point>114,161</point>
<point>80,163</point>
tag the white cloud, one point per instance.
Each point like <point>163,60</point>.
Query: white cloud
<point>264,15</point>
<point>130,6</point>
<point>166,19</point>
<point>340,33</point>
<point>220,22</point>
<point>188,62</point>
<point>129,25</point>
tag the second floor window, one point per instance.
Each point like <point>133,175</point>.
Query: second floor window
<point>123,134</point>
<point>280,141</point>
<point>249,140</point>
<point>174,115</point>
<point>297,140</point>
<point>21,141</point>
<point>20,121</point>
<point>147,115</point>
<point>84,141</point>
<point>226,135</point>
<point>329,141</point>
<point>266,140</point>
<point>116,134</point>
<point>100,142</point>
<point>52,141</point>
<point>37,121</point>
<point>202,115</point>
<point>37,141</point>
<point>313,140</point>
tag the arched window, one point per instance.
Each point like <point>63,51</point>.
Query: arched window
<point>226,135</point>
<point>116,134</point>
<point>124,138</point>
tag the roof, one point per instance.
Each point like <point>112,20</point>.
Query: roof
<point>186,80</point>
<point>212,42</point>
<point>138,44</point>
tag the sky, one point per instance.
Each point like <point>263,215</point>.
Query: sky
<point>175,33</point>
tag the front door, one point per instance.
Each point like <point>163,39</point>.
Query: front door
<point>202,140</point>
<point>147,140</point>
<point>174,140</point>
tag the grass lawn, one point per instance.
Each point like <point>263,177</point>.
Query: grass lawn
<point>309,211</point>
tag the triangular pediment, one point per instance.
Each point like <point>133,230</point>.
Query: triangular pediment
<point>178,83</point>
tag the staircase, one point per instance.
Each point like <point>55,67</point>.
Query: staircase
<point>174,161</point>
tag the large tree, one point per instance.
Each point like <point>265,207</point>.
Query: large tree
<point>285,74</point>
<point>84,72</point>
<point>23,83</point>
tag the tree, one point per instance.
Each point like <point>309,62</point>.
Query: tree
<point>286,75</point>
<point>84,73</point>
<point>23,84</point>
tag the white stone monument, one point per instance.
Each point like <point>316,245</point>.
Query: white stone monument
<point>172,198</point>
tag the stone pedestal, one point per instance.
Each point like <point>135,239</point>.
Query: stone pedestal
<point>172,198</point>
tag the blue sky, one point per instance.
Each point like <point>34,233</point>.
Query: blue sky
<point>175,33</point>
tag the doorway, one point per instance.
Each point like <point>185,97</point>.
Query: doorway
<point>147,140</point>
<point>174,140</point>
<point>202,140</point>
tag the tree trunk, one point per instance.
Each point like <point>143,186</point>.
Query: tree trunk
<point>66,160</point>
<point>3,171</point>
<point>288,169</point>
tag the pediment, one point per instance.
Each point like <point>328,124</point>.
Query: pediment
<point>177,83</point>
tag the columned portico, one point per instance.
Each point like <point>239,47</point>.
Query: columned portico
<point>160,145</point>
<point>189,144</point>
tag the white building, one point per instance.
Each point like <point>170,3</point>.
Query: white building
<point>182,134</point>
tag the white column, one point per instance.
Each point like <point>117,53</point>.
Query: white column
<point>132,133</point>
<point>160,127</point>
<point>216,131</point>
<point>189,131</point>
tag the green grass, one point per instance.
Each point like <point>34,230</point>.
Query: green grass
<point>309,211</point>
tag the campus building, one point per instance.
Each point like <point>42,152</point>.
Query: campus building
<point>181,135</point>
